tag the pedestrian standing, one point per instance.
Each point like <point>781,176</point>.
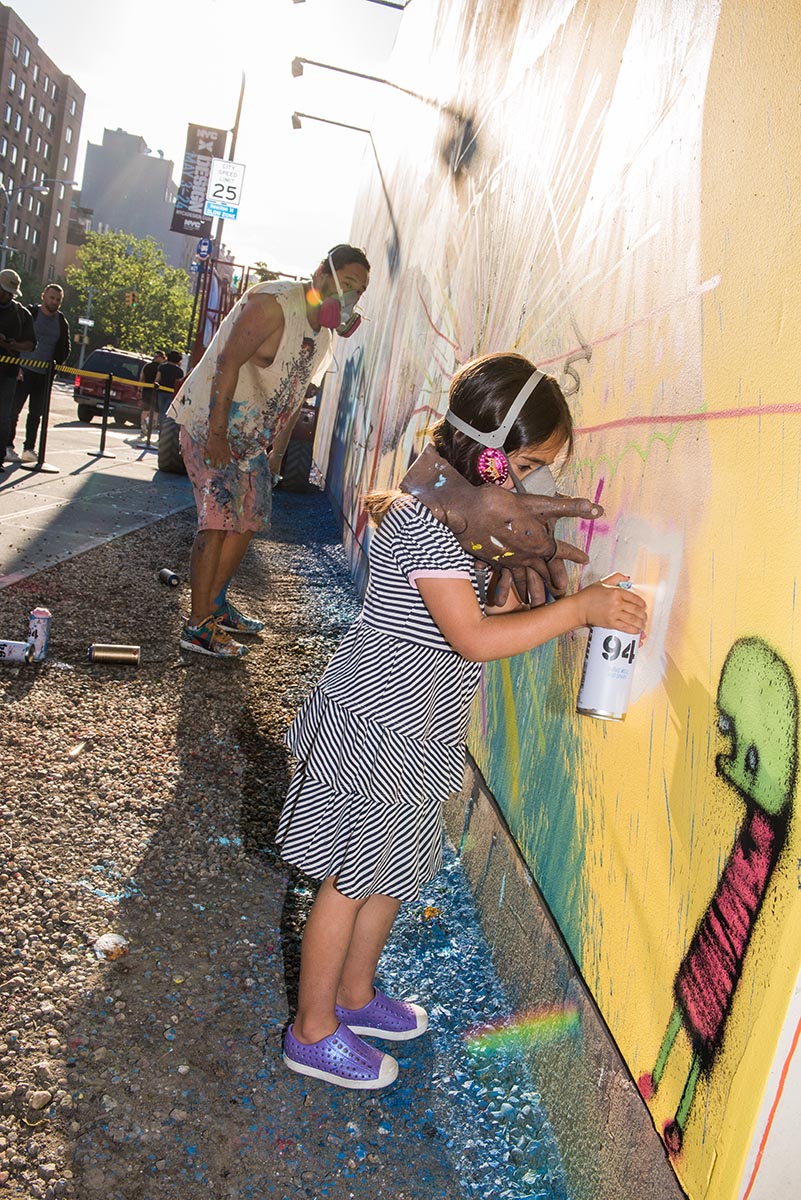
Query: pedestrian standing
<point>17,334</point>
<point>380,742</point>
<point>168,379</point>
<point>34,384</point>
<point>148,376</point>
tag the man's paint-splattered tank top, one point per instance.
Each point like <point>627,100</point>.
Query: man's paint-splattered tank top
<point>265,397</point>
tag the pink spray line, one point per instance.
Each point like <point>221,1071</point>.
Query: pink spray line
<point>723,414</point>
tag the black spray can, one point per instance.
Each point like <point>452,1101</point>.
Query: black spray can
<point>169,577</point>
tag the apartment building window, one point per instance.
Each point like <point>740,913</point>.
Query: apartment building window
<point>32,104</point>
<point>38,144</point>
<point>27,234</point>
<point>62,191</point>
<point>26,56</point>
<point>55,246</point>
<point>8,113</point>
<point>17,122</point>
<point>12,80</point>
<point>35,72</point>
<point>41,113</point>
<point>3,146</point>
<point>30,201</point>
<point>23,166</point>
<point>34,177</point>
<point>58,219</point>
<point>73,106</point>
<point>21,90</point>
<point>15,47</point>
<point>12,152</point>
<point>35,238</point>
<point>38,208</point>
<point>65,164</point>
<point>49,121</point>
<point>68,135</point>
<point>16,226</point>
<point>46,83</point>
<point>46,150</point>
<point>51,271</point>
<point>28,135</point>
<point>54,91</point>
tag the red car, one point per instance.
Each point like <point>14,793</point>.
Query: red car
<point>125,401</point>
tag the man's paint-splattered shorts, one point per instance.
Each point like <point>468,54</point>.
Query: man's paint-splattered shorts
<point>228,498</point>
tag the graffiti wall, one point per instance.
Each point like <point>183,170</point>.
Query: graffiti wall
<point>613,190</point>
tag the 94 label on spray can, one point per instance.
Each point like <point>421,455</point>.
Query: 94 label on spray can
<point>607,674</point>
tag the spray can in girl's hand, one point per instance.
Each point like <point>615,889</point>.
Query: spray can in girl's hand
<point>39,632</point>
<point>608,672</point>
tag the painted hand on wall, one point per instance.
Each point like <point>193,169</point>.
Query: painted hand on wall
<point>513,533</point>
<point>758,713</point>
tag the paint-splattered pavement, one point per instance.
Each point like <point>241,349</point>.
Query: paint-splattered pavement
<point>147,811</point>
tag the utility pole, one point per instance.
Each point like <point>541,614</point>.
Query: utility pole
<point>231,153</point>
<point>87,325</point>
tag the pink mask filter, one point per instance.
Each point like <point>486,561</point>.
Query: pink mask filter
<point>336,312</point>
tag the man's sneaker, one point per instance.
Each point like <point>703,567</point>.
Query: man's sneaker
<point>27,456</point>
<point>209,638</point>
<point>12,455</point>
<point>230,618</point>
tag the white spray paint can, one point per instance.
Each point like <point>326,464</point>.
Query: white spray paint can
<point>16,652</point>
<point>39,632</point>
<point>608,672</point>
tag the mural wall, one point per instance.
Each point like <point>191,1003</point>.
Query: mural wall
<point>613,190</point>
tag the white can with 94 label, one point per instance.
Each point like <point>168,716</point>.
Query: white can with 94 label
<point>607,674</point>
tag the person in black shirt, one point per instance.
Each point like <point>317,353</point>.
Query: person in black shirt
<point>16,333</point>
<point>169,376</point>
<point>148,375</point>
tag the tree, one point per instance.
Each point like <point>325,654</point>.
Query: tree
<point>264,273</point>
<point>138,301</point>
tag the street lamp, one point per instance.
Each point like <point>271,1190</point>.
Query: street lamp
<point>393,254</point>
<point>41,189</point>
<point>297,71</point>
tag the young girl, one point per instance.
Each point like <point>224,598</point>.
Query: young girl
<point>380,742</point>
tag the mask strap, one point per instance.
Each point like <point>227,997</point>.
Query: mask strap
<point>496,437</point>
<point>340,293</point>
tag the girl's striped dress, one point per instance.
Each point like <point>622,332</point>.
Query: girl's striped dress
<point>380,741</point>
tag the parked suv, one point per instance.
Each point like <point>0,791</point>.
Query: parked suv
<point>125,402</point>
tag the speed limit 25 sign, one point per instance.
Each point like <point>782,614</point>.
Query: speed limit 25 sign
<point>224,193</point>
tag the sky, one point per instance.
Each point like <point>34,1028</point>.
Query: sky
<point>151,67</point>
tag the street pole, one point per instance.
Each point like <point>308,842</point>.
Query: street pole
<point>86,328</point>
<point>6,215</point>
<point>232,151</point>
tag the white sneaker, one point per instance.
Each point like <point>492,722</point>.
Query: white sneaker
<point>27,456</point>
<point>11,454</point>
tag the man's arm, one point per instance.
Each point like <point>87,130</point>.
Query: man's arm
<point>27,335</point>
<point>260,319</point>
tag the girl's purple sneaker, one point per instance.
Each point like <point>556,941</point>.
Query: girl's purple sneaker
<point>342,1058</point>
<point>396,1020</point>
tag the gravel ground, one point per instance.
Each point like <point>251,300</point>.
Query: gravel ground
<point>140,805</point>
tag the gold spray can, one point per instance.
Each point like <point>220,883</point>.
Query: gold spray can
<point>125,655</point>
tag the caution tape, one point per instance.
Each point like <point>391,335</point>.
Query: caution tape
<point>30,363</point>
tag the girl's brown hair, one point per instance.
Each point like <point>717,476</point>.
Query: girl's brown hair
<point>481,393</point>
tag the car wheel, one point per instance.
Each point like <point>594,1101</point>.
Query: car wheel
<point>119,419</point>
<point>170,458</point>
<point>296,467</point>
<point>85,413</point>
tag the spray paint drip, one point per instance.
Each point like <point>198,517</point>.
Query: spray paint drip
<point>540,1028</point>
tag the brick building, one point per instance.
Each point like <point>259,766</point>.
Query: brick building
<point>41,110</point>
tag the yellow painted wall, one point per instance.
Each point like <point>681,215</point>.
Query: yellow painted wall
<point>629,205</point>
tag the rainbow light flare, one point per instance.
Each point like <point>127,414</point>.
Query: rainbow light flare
<point>540,1028</point>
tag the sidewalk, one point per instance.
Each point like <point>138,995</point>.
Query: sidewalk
<point>143,804</point>
<point>48,517</point>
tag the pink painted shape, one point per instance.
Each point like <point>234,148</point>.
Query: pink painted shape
<point>708,975</point>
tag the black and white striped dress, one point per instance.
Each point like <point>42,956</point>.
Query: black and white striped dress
<point>380,741</point>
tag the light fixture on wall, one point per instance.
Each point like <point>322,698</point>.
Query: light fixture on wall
<point>393,251</point>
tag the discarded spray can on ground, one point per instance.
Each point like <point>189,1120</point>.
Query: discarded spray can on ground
<point>169,577</point>
<point>16,652</point>
<point>100,652</point>
<point>39,632</point>
<point>608,672</point>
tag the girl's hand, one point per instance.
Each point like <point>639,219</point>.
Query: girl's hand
<point>613,607</point>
